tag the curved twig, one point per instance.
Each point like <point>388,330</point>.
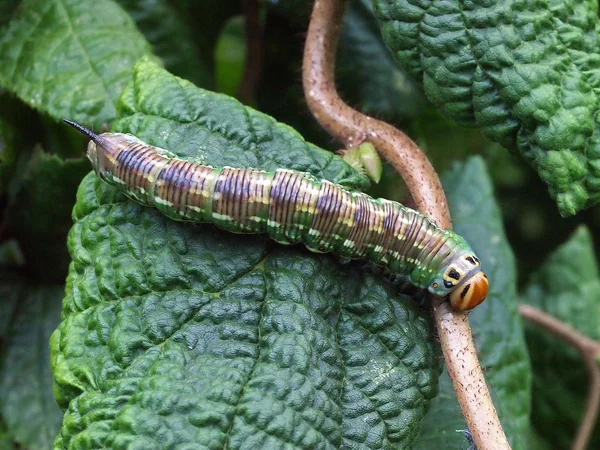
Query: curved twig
<point>351,127</point>
<point>590,351</point>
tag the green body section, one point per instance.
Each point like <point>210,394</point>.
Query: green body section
<point>291,207</point>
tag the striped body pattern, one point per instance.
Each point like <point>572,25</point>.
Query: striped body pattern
<point>293,207</point>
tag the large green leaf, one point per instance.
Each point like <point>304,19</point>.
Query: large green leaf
<point>566,286</point>
<point>27,404</point>
<point>180,335</point>
<point>70,58</point>
<point>497,329</point>
<point>526,72</point>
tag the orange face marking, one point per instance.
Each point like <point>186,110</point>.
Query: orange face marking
<point>470,293</point>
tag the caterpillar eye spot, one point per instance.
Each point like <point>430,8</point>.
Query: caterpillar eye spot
<point>454,274</point>
<point>435,285</point>
<point>471,260</point>
<point>448,284</point>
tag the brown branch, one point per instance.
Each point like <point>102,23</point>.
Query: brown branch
<point>351,127</point>
<point>252,65</point>
<point>590,351</point>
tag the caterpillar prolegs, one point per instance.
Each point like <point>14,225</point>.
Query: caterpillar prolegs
<point>293,207</point>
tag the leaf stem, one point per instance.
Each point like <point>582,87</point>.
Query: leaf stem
<point>590,351</point>
<point>352,127</point>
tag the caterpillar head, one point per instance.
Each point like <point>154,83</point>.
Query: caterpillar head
<point>470,292</point>
<point>464,283</point>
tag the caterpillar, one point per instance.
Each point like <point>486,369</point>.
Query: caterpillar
<point>292,207</point>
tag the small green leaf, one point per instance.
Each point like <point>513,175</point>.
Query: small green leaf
<point>497,330</point>
<point>566,286</point>
<point>230,56</point>
<point>171,39</point>
<point>181,335</point>
<point>525,72</point>
<point>365,159</point>
<point>27,403</point>
<point>206,19</point>
<point>40,213</point>
<point>70,58</point>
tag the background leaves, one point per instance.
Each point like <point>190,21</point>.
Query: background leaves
<point>526,76</point>
<point>27,403</point>
<point>41,164</point>
<point>70,58</point>
<point>567,286</point>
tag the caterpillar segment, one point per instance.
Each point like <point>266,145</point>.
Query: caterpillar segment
<point>292,207</point>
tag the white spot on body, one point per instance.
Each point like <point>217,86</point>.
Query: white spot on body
<point>223,217</point>
<point>161,201</point>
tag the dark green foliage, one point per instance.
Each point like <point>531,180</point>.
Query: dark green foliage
<point>171,39</point>
<point>27,403</point>
<point>567,286</point>
<point>367,72</point>
<point>176,333</point>
<point>40,212</point>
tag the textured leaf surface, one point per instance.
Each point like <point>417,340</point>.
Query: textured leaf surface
<point>181,335</point>
<point>27,404</point>
<point>525,72</point>
<point>171,39</point>
<point>567,286</point>
<point>70,58</point>
<point>172,113</point>
<point>40,213</point>
<point>367,72</point>
<point>497,329</point>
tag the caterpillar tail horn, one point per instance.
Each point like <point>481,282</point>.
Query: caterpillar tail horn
<point>93,136</point>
